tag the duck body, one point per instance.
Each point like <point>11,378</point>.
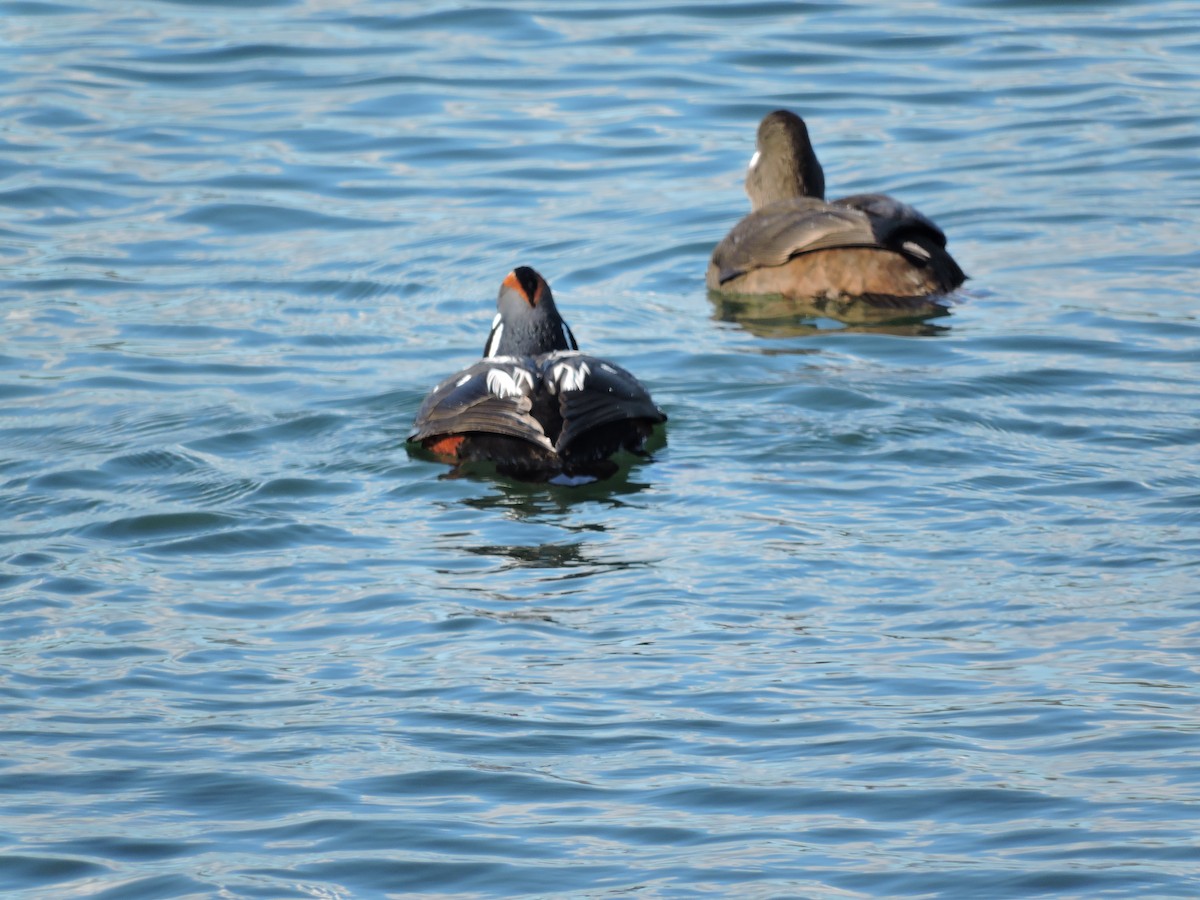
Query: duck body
<point>794,243</point>
<point>535,405</point>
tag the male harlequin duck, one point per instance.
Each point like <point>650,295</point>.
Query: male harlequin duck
<point>794,243</point>
<point>534,405</point>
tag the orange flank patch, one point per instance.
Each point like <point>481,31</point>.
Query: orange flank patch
<point>446,446</point>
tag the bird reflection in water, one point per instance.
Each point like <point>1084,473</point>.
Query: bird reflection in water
<point>776,316</point>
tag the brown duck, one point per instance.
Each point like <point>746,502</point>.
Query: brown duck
<point>868,248</point>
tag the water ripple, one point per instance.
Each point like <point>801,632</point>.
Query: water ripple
<point>893,609</point>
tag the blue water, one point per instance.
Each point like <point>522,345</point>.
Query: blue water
<point>895,611</point>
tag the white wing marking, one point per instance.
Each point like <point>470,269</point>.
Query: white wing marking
<point>569,376</point>
<point>506,385</point>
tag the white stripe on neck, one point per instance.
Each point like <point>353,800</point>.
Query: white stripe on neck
<point>494,341</point>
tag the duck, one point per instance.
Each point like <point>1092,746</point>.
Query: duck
<point>535,405</point>
<point>864,249</point>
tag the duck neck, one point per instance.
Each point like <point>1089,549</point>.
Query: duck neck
<point>776,178</point>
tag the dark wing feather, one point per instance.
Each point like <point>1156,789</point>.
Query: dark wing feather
<point>892,221</point>
<point>774,234</point>
<point>491,396</point>
<point>593,392</point>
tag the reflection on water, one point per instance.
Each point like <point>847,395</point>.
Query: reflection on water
<point>887,617</point>
<point>533,500</point>
<point>776,316</point>
<point>542,556</point>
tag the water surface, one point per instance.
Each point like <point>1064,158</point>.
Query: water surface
<point>904,611</point>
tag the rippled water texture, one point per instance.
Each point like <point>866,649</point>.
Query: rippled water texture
<point>905,611</point>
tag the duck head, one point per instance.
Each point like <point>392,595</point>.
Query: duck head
<point>528,322</point>
<point>784,164</point>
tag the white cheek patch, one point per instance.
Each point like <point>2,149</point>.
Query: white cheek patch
<point>754,161</point>
<point>463,380</point>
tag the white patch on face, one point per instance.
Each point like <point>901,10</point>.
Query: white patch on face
<point>607,368</point>
<point>507,386</point>
<point>754,161</point>
<point>463,380</point>
<point>567,335</point>
<point>569,376</point>
<point>494,341</point>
